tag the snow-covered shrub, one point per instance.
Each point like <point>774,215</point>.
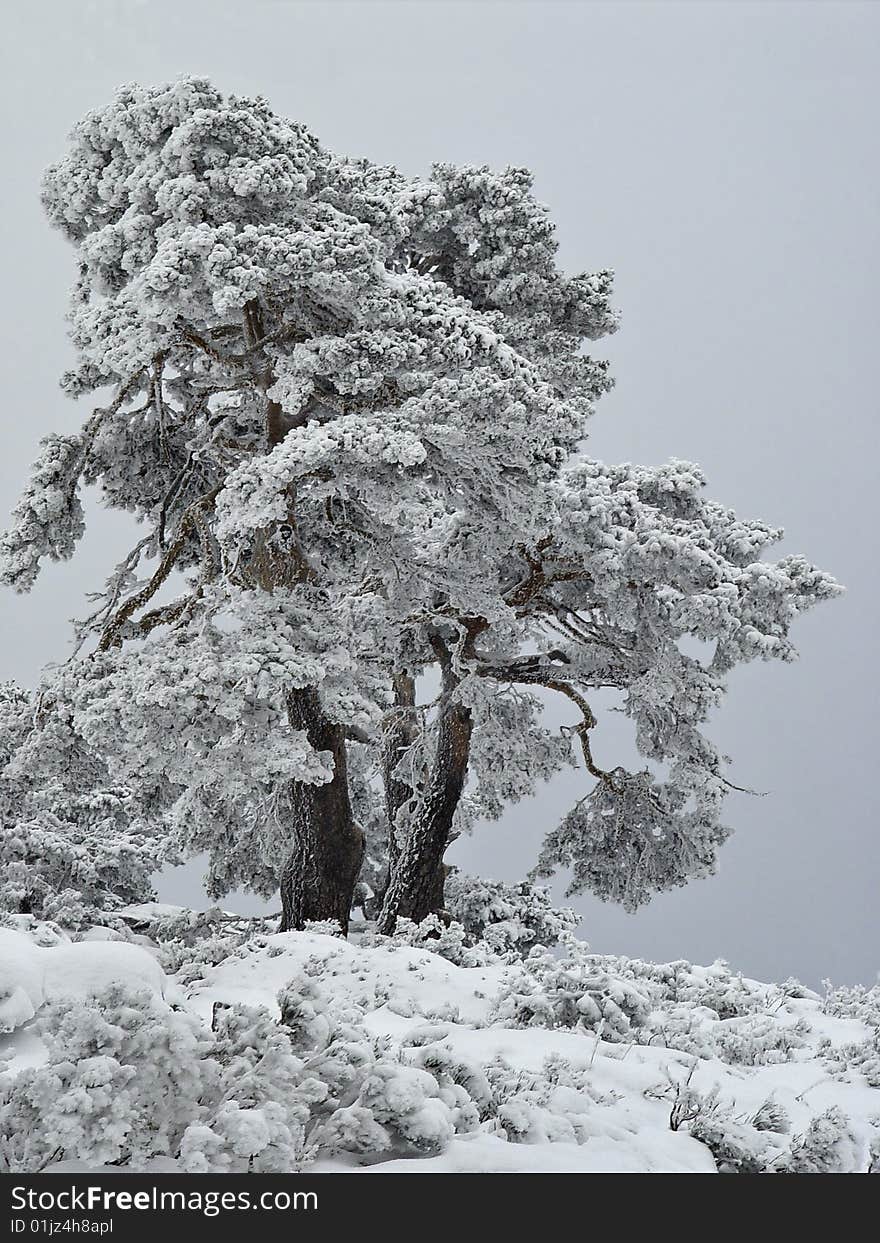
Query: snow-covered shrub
<point>307,1014</point>
<point>739,1144</point>
<point>408,1103</point>
<point>862,1057</point>
<point>576,990</point>
<point>771,1116</point>
<point>129,1078</point>
<point>374,1101</point>
<point>703,1011</point>
<point>854,1003</point>
<point>828,1146</point>
<point>191,941</point>
<point>124,1077</point>
<point>240,1141</point>
<point>449,940</point>
<point>716,988</point>
<point>258,1119</point>
<point>555,1104</point>
<point>451,1070</point>
<point>752,1040</point>
<point>507,918</point>
<point>81,1110</point>
<point>757,1144</point>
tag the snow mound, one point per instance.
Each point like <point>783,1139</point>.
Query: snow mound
<point>33,975</point>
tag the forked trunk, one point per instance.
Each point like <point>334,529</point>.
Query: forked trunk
<point>416,885</point>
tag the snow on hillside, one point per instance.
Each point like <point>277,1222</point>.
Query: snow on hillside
<point>301,1050</point>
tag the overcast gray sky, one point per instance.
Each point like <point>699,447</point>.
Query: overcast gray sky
<point>722,158</point>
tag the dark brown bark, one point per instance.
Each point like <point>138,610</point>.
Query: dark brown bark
<point>415,888</point>
<point>322,868</point>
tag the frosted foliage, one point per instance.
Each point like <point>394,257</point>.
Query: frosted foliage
<point>660,564</point>
<point>350,406</point>
<point>631,838</point>
<point>626,1000</point>
<point>511,753</point>
<point>123,1077</point>
<point>197,721</point>
<point>828,1146</point>
<point>74,845</point>
<point>509,918</point>
<point>48,520</point>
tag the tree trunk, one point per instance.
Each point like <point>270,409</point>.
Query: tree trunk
<point>416,885</point>
<point>320,873</point>
<point>398,735</point>
<point>319,876</point>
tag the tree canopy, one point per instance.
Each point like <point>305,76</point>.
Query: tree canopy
<point>350,407</point>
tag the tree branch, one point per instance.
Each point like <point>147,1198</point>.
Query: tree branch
<point>536,671</point>
<point>193,516</point>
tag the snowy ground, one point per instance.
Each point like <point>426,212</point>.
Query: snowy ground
<point>611,1109</point>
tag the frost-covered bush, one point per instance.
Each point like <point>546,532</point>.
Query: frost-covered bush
<point>451,1070</point>
<point>739,1143</point>
<point>258,1115</point>
<point>576,990</point>
<point>861,1057</point>
<point>486,920</point>
<point>828,1146</point>
<point>753,1040</point>
<point>129,1078</point>
<point>556,1104</point>
<point>507,918</point>
<point>125,1076</point>
<point>191,941</point>
<point>448,939</point>
<point>758,1143</point>
<point>703,1011</point>
<point>854,1003</point>
<point>738,1146</point>
<point>717,988</point>
<point>375,1102</point>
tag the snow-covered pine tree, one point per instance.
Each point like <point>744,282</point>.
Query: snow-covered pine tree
<point>350,407</point>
